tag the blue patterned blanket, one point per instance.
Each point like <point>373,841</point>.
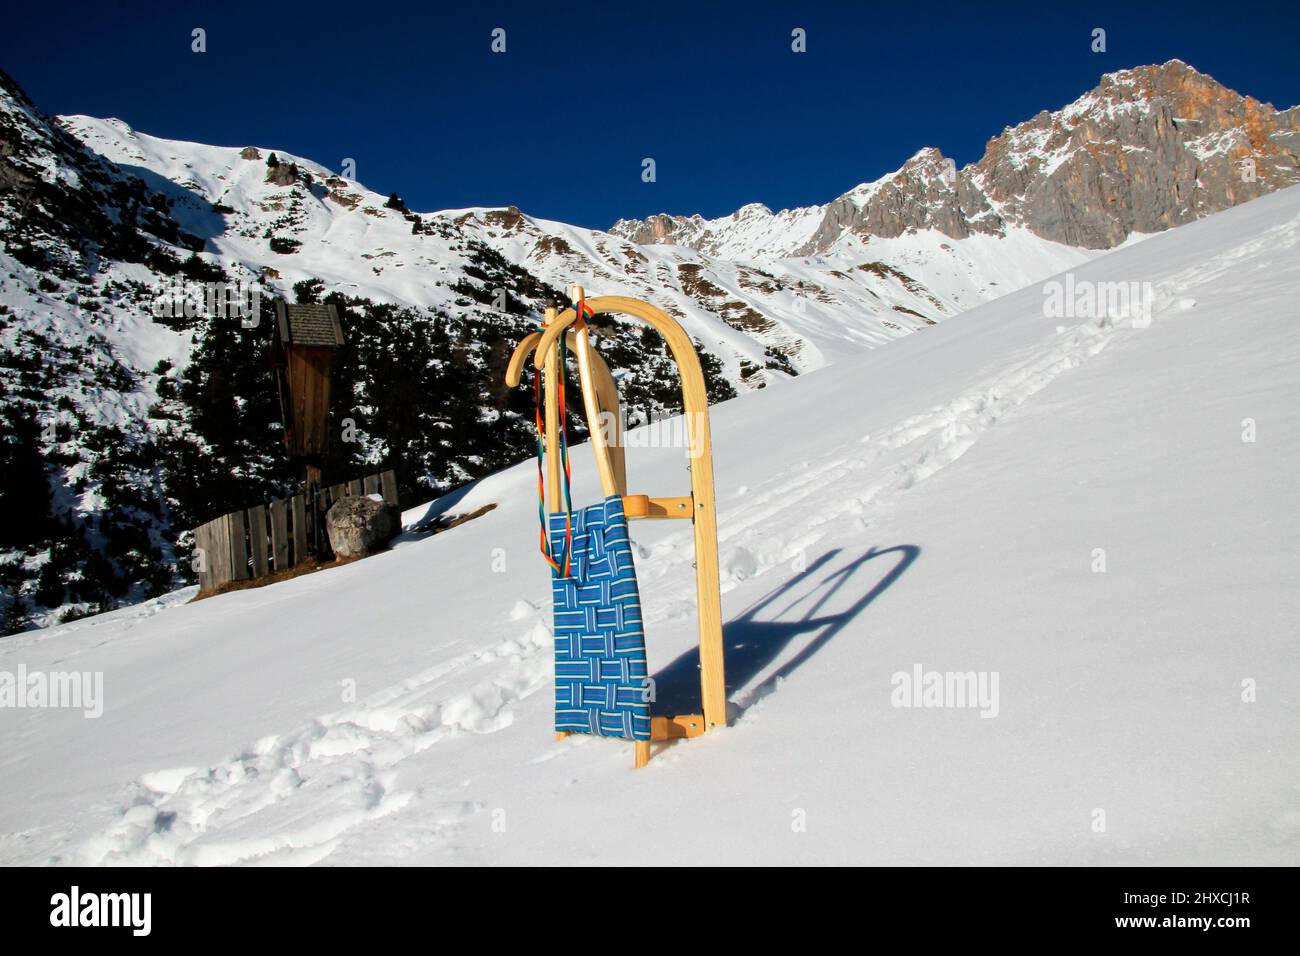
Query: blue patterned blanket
<point>600,662</point>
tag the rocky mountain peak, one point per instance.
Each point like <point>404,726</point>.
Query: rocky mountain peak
<point>660,228</point>
<point>1148,148</point>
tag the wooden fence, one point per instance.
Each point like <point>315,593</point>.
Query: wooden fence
<point>275,536</point>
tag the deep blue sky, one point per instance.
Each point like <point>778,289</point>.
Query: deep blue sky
<point>559,124</point>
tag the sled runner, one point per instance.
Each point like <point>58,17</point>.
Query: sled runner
<point>600,660</point>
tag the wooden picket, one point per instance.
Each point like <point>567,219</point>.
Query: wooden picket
<point>273,537</point>
<point>238,532</point>
<point>299,506</point>
<point>280,534</point>
<point>257,539</point>
<point>223,569</point>
<point>388,482</point>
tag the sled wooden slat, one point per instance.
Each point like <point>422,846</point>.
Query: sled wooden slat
<point>370,485</point>
<point>592,405</point>
<point>354,488</point>
<point>675,728</point>
<point>257,539</point>
<point>607,399</point>
<point>643,506</point>
<point>279,511</point>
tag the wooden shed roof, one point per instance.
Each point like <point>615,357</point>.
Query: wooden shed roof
<point>309,324</point>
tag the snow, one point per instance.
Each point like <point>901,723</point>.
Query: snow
<point>937,503</point>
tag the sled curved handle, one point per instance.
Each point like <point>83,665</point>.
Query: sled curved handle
<point>515,369</point>
<point>599,396</point>
<point>694,393</point>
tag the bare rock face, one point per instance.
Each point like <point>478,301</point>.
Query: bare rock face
<point>675,230</point>
<point>359,526</point>
<point>1149,148</point>
<point>282,174</point>
<point>926,193</point>
<point>250,152</point>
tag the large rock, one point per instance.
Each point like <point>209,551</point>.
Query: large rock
<point>360,526</point>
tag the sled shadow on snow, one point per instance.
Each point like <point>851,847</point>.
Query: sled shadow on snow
<point>752,641</point>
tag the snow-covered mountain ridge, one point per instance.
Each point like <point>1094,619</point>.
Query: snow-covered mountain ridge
<point>758,313</point>
<point>125,429</point>
<point>1149,148</point>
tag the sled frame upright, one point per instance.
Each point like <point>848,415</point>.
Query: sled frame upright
<point>601,405</point>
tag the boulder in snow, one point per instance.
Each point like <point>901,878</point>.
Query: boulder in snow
<point>360,526</point>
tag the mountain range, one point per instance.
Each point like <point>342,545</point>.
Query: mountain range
<point>124,427</point>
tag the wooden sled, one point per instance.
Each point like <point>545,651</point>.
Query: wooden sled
<point>600,396</point>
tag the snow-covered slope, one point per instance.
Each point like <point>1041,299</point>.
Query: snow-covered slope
<point>947,503</point>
